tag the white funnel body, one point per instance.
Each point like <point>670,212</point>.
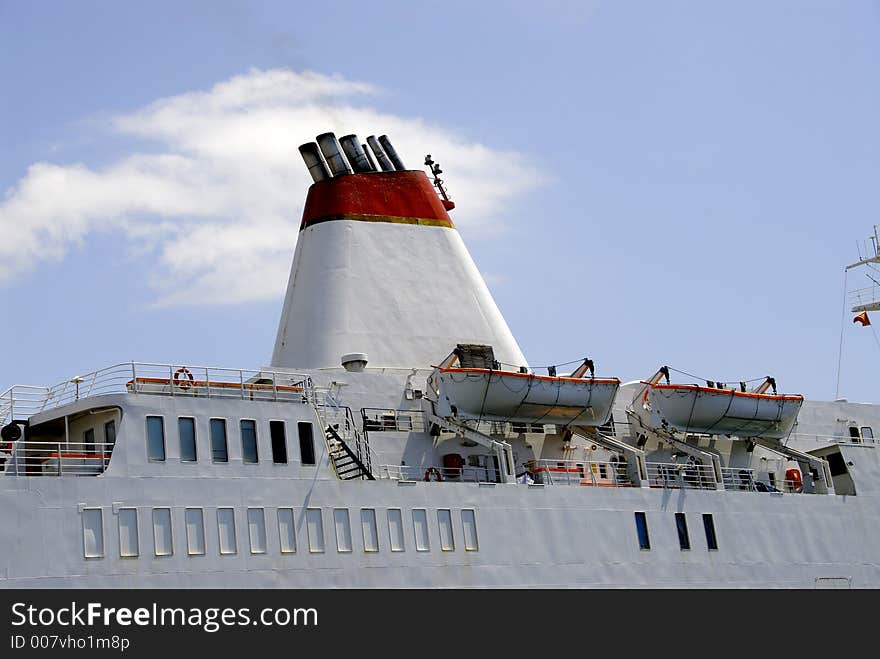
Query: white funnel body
<point>380,269</point>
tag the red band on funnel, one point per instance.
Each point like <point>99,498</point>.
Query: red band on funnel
<point>399,197</point>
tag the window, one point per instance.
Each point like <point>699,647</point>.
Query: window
<point>343,530</point>
<point>444,522</point>
<point>89,441</point>
<point>162,540</point>
<point>681,524</point>
<point>219,452</point>
<point>306,443</point>
<point>709,525</point>
<point>195,531</point>
<point>772,478</point>
<point>110,434</point>
<point>226,525</point>
<point>315,524</point>
<point>395,529</point>
<point>257,530</point>
<point>93,533</point>
<point>249,442</point>
<point>156,438</point>
<point>128,532</point>
<point>854,434</point>
<point>420,528</point>
<point>279,442</point>
<point>186,429</point>
<point>642,531</point>
<point>286,530</point>
<point>371,533</point>
<point>867,433</point>
<point>469,523</point>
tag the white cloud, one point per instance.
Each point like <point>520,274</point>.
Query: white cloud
<point>213,187</point>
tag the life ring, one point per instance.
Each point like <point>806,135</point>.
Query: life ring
<point>184,382</point>
<point>433,474</point>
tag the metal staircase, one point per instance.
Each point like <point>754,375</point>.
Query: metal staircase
<point>348,447</point>
<point>347,464</point>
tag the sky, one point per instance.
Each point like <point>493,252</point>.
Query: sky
<point>643,183</point>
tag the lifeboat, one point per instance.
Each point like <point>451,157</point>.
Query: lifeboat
<point>721,411</point>
<point>491,394</point>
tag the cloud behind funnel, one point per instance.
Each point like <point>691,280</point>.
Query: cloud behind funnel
<point>211,187</point>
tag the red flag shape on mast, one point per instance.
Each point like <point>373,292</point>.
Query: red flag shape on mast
<point>862,318</point>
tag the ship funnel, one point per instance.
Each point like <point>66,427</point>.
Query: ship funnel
<point>381,158</point>
<point>311,154</point>
<point>330,148</point>
<point>392,154</point>
<point>352,148</point>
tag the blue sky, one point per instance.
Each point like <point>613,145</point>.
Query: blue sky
<point>640,182</point>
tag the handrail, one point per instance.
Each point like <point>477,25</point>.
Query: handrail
<point>23,401</point>
<point>40,458</point>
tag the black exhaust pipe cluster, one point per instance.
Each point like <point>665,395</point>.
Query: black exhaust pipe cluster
<point>327,157</point>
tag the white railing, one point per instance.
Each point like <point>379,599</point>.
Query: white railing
<point>161,379</point>
<point>386,420</point>
<point>57,459</point>
<point>20,401</point>
<point>579,472</point>
<point>829,439</point>
<point>464,474</point>
<point>738,479</point>
<point>862,296</point>
<point>681,476</point>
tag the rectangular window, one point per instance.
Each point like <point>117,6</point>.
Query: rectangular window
<point>219,451</point>
<point>315,524</point>
<point>249,442</point>
<point>681,524</point>
<point>469,523</point>
<point>343,529</point>
<point>709,525</point>
<point>93,533</point>
<point>128,532</point>
<point>370,530</point>
<point>226,525</point>
<point>867,433</point>
<point>395,529</point>
<point>642,531</point>
<point>195,531</point>
<point>286,530</point>
<point>420,528</point>
<point>110,434</point>
<point>156,438</point>
<point>89,441</point>
<point>162,540</point>
<point>306,443</point>
<point>186,430</point>
<point>257,530</point>
<point>279,442</point>
<point>444,522</point>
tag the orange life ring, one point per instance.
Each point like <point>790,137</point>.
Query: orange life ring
<point>433,471</point>
<point>184,382</point>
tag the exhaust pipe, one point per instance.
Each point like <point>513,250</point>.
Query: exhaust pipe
<point>311,154</point>
<point>381,158</point>
<point>392,154</point>
<point>369,157</point>
<point>352,148</point>
<point>330,148</point>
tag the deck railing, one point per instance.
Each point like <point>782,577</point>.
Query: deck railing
<point>39,458</point>
<point>674,475</point>
<point>579,472</point>
<point>21,401</point>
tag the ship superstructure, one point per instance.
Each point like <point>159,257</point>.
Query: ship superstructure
<point>399,438</point>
